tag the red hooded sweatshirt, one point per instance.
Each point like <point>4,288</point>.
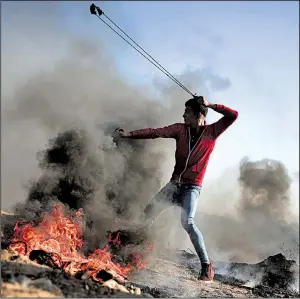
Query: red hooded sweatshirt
<point>191,163</point>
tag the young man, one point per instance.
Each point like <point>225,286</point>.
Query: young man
<point>195,141</point>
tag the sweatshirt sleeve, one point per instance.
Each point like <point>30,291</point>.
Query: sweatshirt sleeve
<point>171,131</point>
<point>229,117</point>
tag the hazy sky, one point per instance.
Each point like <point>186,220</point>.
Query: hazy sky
<point>253,44</point>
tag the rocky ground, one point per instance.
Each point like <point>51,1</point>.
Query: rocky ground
<point>172,274</point>
<point>162,278</point>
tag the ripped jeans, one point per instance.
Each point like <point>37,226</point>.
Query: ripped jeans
<point>185,196</point>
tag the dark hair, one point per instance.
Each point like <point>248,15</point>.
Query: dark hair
<point>197,106</point>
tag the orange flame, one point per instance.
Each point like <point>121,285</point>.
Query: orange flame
<point>61,236</point>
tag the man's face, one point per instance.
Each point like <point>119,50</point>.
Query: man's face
<point>189,116</point>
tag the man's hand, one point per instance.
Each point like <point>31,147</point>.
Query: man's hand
<point>206,102</point>
<point>122,133</point>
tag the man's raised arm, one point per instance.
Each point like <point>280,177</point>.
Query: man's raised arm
<point>149,133</point>
<point>229,117</point>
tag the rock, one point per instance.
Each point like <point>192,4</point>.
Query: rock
<point>45,284</point>
<point>112,284</point>
<point>138,291</point>
<point>12,256</point>
<point>24,281</point>
<point>134,290</point>
<point>147,295</point>
<point>273,272</point>
<point>16,290</point>
<point>6,213</point>
<point>57,272</point>
<point>85,275</point>
<point>278,271</point>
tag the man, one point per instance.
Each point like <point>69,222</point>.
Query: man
<point>195,141</point>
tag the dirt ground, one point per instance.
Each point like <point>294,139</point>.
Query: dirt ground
<point>162,278</point>
<point>172,275</point>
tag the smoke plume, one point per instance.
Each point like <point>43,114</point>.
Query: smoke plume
<point>262,224</point>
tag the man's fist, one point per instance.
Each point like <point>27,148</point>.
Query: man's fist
<point>203,100</point>
<point>122,132</point>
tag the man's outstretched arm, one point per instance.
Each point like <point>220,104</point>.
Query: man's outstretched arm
<point>229,117</point>
<point>149,133</point>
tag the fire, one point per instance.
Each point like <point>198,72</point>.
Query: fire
<point>60,235</point>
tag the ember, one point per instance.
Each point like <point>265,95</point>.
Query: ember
<point>57,242</point>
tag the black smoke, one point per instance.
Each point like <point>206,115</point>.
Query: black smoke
<point>265,189</point>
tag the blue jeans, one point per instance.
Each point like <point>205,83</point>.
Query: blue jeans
<point>185,196</point>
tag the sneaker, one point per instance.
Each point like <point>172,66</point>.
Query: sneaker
<point>207,273</point>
